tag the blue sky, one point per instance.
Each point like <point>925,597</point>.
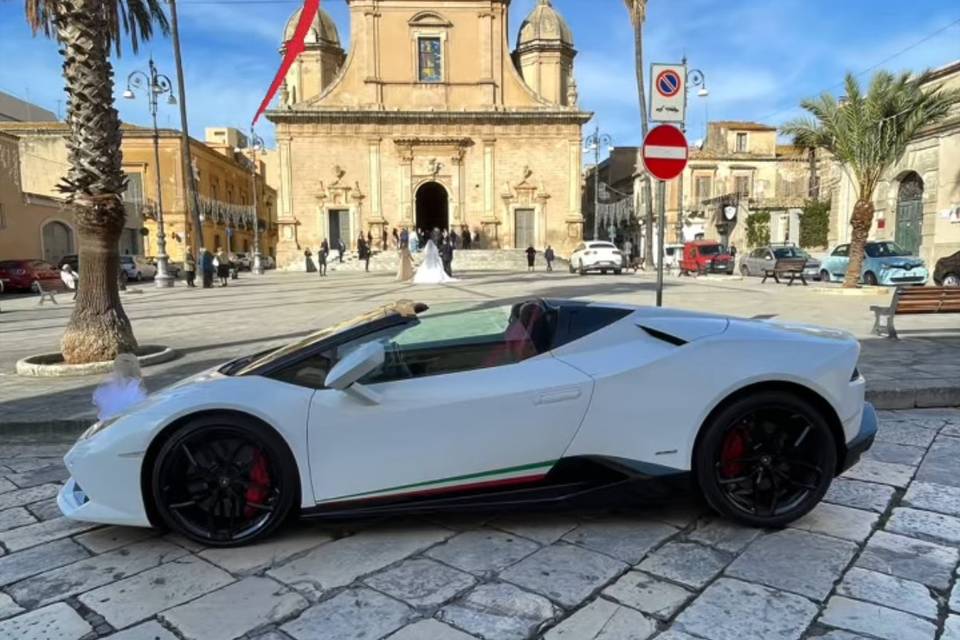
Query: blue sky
<point>760,57</point>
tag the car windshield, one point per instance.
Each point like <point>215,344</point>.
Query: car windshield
<point>126,259</point>
<point>710,249</point>
<point>790,252</point>
<point>885,250</point>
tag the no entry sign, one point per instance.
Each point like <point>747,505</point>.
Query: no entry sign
<point>665,152</point>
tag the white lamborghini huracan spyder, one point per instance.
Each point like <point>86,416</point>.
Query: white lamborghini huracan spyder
<point>538,403</point>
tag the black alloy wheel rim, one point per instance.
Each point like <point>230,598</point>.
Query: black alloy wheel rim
<point>770,461</point>
<point>220,485</point>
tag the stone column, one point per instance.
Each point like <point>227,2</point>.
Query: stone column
<point>486,52</point>
<point>456,181</point>
<point>374,154</point>
<point>406,177</point>
<point>490,222</point>
<point>286,180</point>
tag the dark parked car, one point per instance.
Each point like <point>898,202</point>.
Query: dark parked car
<point>947,271</point>
<point>20,275</point>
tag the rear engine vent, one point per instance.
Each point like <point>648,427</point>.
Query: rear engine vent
<point>666,337</point>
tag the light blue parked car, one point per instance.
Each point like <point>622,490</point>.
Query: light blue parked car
<point>885,263</point>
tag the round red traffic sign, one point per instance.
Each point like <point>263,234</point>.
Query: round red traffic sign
<point>665,152</point>
<point>668,83</point>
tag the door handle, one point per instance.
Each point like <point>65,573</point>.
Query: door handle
<point>560,395</point>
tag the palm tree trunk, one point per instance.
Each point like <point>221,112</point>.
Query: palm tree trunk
<point>860,223</point>
<point>647,191</point>
<point>99,328</point>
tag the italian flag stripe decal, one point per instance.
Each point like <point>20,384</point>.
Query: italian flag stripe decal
<point>482,480</point>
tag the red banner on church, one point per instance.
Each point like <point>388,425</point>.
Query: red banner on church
<point>294,48</point>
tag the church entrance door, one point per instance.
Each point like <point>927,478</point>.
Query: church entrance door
<point>339,227</point>
<point>432,207</point>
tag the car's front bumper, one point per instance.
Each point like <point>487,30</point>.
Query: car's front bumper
<point>603,264</point>
<point>864,438</point>
<point>894,277</point>
<point>103,487</point>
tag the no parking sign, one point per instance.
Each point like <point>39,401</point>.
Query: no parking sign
<point>668,86</point>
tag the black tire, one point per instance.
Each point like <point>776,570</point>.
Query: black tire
<point>951,280</point>
<point>870,279</point>
<point>240,471</point>
<point>572,270</point>
<point>745,271</point>
<point>765,488</point>
<point>618,271</point>
<point>582,271</point>
<point>824,276</point>
<point>139,277</point>
<point>603,272</point>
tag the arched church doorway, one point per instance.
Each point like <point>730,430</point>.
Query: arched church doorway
<point>57,241</point>
<point>432,207</point>
<point>908,233</point>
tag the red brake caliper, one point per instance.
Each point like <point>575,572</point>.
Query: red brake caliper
<point>259,487</point>
<point>734,446</point>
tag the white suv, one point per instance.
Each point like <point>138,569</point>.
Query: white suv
<point>596,256</point>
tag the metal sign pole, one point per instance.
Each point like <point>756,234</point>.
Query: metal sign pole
<point>661,221</point>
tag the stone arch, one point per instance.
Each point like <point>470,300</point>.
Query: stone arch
<point>432,202</point>
<point>908,232</point>
<point>57,239</point>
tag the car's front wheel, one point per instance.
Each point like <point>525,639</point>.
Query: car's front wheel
<point>870,279</point>
<point>766,459</point>
<point>951,280</point>
<point>224,481</point>
<point>745,271</point>
<point>824,276</point>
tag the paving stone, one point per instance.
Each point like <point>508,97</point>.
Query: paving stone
<point>6,485</point>
<point>50,473</point>
<point>252,603</point>
<point>897,475</point>
<point>952,430</point>
<point>21,497</point>
<point>564,573</point>
<point>889,591</point>
<point>925,562</point>
<point>22,465</point>
<point>338,563</point>
<point>483,550</point>
<point>734,610</point>
<point>860,495</point>
<point>670,634</point>
<point>626,539</point>
<point>34,534</point>
<point>835,634</point>
<point>604,620</point>
<point>939,466</point>
<point>147,631</point>
<point>905,433</point>
<point>186,543</point>
<point>896,453</point>
<point>270,553</point>
<point>544,528</point>
<point>838,521</point>
<point>796,561</point>
<point>421,583</point>
<point>20,565</point>
<point>499,611</point>
<point>110,538</point>
<point>56,622</point>
<point>94,572</point>
<point>34,450</point>
<point>926,525</point>
<point>874,620</point>
<point>8,607</point>
<point>951,628</point>
<point>689,564</point>
<point>724,535</point>
<point>45,509</point>
<point>355,614</point>
<point>933,497</point>
<point>680,512</point>
<point>955,598</point>
<point>430,630</point>
<point>145,594</point>
<point>648,594</point>
<point>15,517</point>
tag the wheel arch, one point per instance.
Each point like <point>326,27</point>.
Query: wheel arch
<point>806,393</point>
<point>149,458</point>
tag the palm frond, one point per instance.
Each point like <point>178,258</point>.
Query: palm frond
<point>135,18</point>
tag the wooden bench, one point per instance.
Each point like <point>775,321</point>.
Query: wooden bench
<point>45,294</point>
<point>792,267</point>
<point>915,301</point>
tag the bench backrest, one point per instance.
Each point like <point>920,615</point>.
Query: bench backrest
<point>916,300</point>
<point>790,264</point>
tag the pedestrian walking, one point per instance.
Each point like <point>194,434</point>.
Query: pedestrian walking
<point>341,248</point>
<point>322,258</point>
<point>414,242</point>
<point>404,238</point>
<point>531,257</point>
<point>370,241</point>
<point>308,260</point>
<point>627,253</point>
<point>70,279</point>
<point>223,267</point>
<point>396,239</point>
<point>549,256</point>
<point>363,252</point>
<point>446,256</point>
<point>405,271</point>
<point>465,232</point>
<point>207,268</point>
<point>190,269</point>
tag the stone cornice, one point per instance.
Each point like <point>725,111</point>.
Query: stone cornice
<point>370,116</point>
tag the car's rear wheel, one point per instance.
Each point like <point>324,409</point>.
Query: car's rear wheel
<point>572,270</point>
<point>766,459</point>
<point>951,280</point>
<point>824,276</point>
<point>583,271</point>
<point>224,481</point>
<point>870,279</point>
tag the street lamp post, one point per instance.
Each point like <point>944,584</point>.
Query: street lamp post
<point>256,143</point>
<point>155,84</point>
<point>695,78</point>
<point>593,143</point>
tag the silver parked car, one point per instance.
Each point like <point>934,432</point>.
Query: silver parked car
<point>761,258</point>
<point>137,267</point>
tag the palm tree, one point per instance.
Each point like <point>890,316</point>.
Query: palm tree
<point>85,30</point>
<point>638,14</point>
<point>869,134</point>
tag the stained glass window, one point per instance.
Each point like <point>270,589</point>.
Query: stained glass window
<point>430,60</point>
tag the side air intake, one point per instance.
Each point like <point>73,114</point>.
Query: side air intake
<point>666,337</point>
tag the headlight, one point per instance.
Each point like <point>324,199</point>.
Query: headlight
<point>98,427</point>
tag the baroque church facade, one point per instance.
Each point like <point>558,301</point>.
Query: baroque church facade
<point>430,122</point>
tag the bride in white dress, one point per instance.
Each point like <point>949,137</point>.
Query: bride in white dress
<point>431,270</point>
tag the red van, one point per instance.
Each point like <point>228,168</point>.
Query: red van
<point>705,256</point>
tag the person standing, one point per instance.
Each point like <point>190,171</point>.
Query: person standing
<point>341,248</point>
<point>190,269</point>
<point>370,241</point>
<point>531,257</point>
<point>363,252</point>
<point>405,270</point>
<point>446,256</point>
<point>396,239</point>
<point>308,260</point>
<point>207,268</point>
<point>549,256</point>
<point>322,257</point>
<point>223,267</point>
<point>627,253</point>
<point>414,242</point>
<point>404,239</point>
<point>465,232</point>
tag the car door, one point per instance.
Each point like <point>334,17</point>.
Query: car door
<point>502,420</point>
<point>838,261</point>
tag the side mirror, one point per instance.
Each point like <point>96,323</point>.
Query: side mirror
<point>361,361</point>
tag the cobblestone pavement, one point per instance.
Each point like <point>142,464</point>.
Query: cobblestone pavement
<point>210,326</point>
<point>878,559</point>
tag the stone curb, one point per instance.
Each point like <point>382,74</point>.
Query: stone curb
<point>859,291</point>
<point>30,369</point>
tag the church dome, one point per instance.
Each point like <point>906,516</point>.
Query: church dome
<point>322,31</point>
<point>544,24</point>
